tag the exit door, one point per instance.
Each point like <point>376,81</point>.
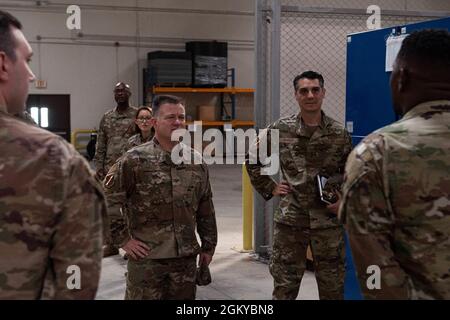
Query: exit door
<point>51,112</point>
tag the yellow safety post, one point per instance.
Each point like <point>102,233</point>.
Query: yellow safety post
<point>75,134</point>
<point>247,210</point>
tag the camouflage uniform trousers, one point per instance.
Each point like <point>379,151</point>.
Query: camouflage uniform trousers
<point>162,279</point>
<point>288,261</point>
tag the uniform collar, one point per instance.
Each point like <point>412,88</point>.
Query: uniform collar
<point>301,127</point>
<point>425,107</point>
<point>3,109</point>
<point>194,156</point>
<point>145,140</point>
<point>5,113</point>
<point>165,155</point>
<point>126,112</point>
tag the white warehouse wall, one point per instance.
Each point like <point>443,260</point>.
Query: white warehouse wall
<point>87,68</point>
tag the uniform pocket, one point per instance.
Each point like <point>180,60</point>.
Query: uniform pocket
<point>153,194</point>
<point>287,160</point>
<point>184,186</point>
<point>154,183</point>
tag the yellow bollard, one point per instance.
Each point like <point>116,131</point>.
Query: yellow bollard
<point>74,137</point>
<point>247,210</point>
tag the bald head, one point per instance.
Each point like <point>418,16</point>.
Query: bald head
<point>123,86</point>
<point>122,93</point>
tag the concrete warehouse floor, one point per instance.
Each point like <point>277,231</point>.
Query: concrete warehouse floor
<point>235,275</point>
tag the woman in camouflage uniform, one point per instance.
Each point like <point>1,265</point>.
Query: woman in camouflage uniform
<point>143,127</point>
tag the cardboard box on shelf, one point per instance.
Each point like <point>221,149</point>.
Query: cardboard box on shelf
<point>206,113</point>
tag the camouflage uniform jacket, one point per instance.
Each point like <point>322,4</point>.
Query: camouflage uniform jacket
<point>135,141</point>
<point>164,203</point>
<point>51,210</point>
<point>114,131</point>
<point>396,205</point>
<point>301,159</point>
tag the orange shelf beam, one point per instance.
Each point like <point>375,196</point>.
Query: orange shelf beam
<point>234,123</point>
<point>202,90</point>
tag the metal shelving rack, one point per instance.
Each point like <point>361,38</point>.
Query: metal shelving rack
<point>230,91</point>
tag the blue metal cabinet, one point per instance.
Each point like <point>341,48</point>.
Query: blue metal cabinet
<point>368,99</point>
<point>368,95</point>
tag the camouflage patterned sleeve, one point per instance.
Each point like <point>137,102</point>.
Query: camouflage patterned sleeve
<point>263,184</point>
<point>77,241</point>
<point>129,144</point>
<point>118,183</point>
<point>206,219</point>
<point>369,220</point>
<point>346,151</point>
<point>100,148</point>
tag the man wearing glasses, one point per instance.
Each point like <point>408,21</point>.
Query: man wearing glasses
<point>311,144</point>
<point>164,204</point>
<point>116,127</point>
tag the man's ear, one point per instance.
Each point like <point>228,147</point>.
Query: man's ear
<point>4,66</point>
<point>404,78</point>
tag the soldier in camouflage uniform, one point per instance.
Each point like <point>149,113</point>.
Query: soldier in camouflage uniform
<point>396,195</point>
<point>116,127</point>
<point>164,203</point>
<point>145,132</point>
<point>143,127</point>
<point>311,143</point>
<point>51,206</point>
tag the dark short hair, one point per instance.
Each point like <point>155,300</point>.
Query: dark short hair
<point>159,100</point>
<point>430,46</point>
<point>7,44</point>
<point>309,75</point>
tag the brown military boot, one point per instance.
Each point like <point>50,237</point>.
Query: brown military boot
<point>109,250</point>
